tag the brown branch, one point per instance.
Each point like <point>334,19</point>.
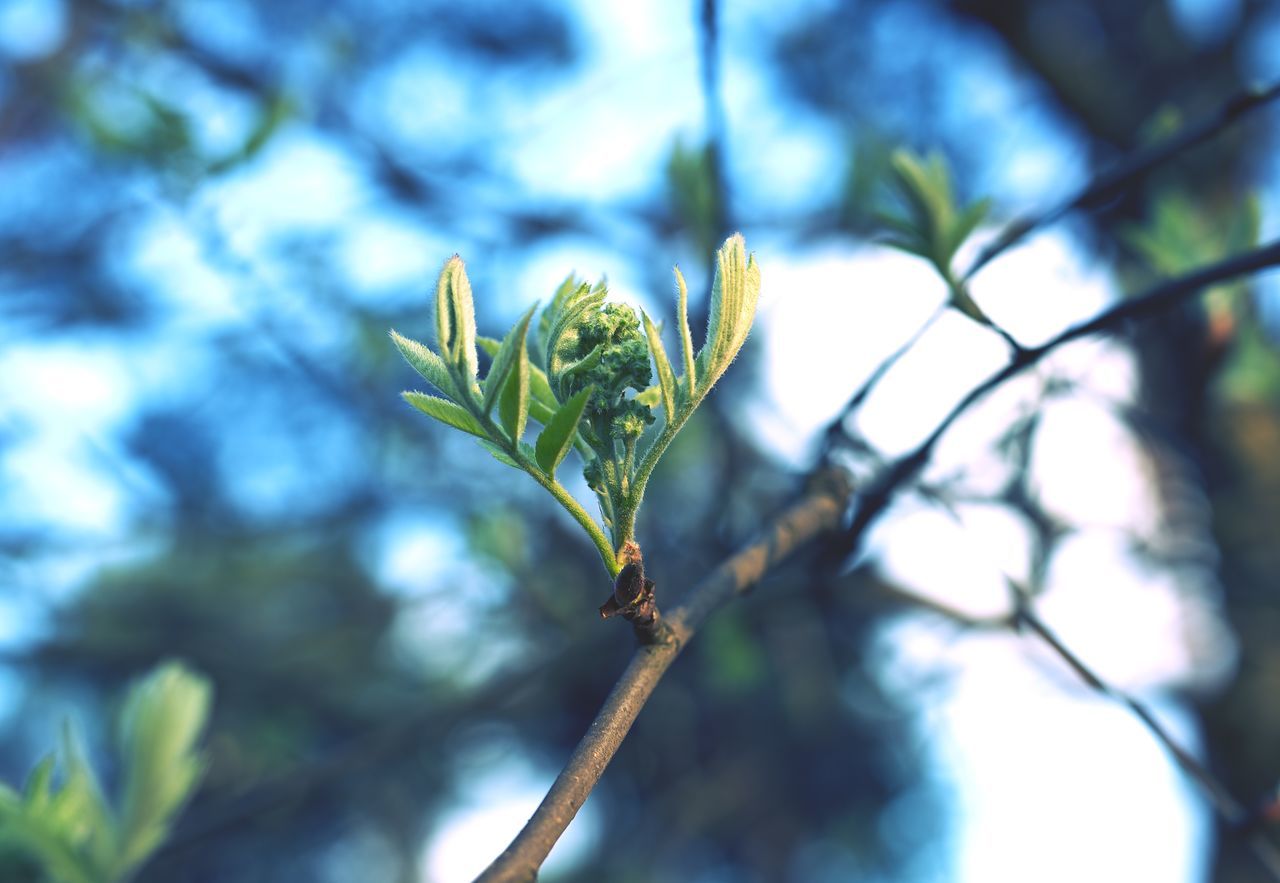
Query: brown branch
<point>1111,183</point>
<point>817,511</point>
<point>1153,301</point>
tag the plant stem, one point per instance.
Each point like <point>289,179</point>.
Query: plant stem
<point>574,508</point>
<point>557,490</point>
<point>813,515</point>
<point>635,493</point>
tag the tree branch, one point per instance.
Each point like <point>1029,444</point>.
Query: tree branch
<point>1230,810</point>
<point>817,511</point>
<point>1111,183</point>
<point>876,498</point>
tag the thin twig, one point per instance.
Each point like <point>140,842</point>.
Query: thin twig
<point>815,513</point>
<point>836,427</point>
<point>1111,183</point>
<point>709,55</point>
<point>1232,812</point>
<point>876,498</point>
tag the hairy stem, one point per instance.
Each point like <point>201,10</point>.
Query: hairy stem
<point>557,490</point>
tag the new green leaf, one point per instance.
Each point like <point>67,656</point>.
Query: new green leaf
<point>513,407</point>
<point>735,290</point>
<point>456,321</point>
<point>445,411</point>
<point>163,720</point>
<point>511,351</point>
<point>556,438</point>
<point>666,378</point>
<point>428,364</point>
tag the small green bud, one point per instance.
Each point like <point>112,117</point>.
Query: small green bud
<point>632,420</point>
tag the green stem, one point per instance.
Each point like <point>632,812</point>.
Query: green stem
<point>574,508</point>
<point>626,515</point>
<point>557,490</point>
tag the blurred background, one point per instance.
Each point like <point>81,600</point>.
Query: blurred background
<point>213,212</point>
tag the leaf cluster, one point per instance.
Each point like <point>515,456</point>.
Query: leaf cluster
<point>583,373</point>
<point>930,222</point>
<point>71,830</point>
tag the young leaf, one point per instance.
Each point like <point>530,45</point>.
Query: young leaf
<point>163,719</point>
<point>564,333</point>
<point>968,221</point>
<point>513,406</point>
<point>568,287</point>
<point>686,338</point>
<point>428,364</point>
<point>735,290</point>
<point>444,308</point>
<point>445,411</point>
<point>511,350</point>
<point>666,379</point>
<point>557,436</point>
<point>539,386</point>
<point>498,454</point>
<point>453,293</point>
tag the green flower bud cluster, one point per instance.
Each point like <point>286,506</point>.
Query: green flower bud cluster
<point>583,372</point>
<point>612,357</point>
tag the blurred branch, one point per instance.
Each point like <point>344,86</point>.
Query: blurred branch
<point>817,511</point>
<point>835,430</point>
<point>709,51</point>
<point>1151,302</point>
<point>1110,184</point>
<point>1229,810</point>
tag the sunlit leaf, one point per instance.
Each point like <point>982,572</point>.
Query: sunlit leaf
<point>666,378</point>
<point>513,406</point>
<point>557,436</point>
<point>428,364</point>
<point>162,722</point>
<point>686,338</point>
<point>511,351</point>
<point>445,411</point>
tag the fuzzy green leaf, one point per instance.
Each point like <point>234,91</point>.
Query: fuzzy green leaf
<point>163,720</point>
<point>498,454</point>
<point>568,288</point>
<point>428,364</point>
<point>666,378</point>
<point>735,291</point>
<point>513,405</point>
<point>539,386</point>
<point>457,330</point>
<point>445,411</point>
<point>686,338</point>
<point>512,350</point>
<point>564,334</point>
<point>557,436</point>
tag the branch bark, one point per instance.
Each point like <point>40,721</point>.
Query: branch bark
<point>816,512</point>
